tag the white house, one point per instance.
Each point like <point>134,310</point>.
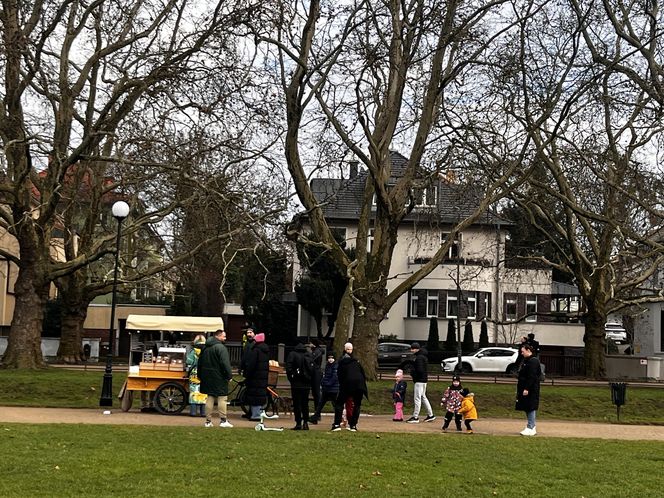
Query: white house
<point>474,283</point>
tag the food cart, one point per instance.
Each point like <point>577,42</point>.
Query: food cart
<point>160,372</point>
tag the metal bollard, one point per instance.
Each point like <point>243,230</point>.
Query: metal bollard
<point>618,395</point>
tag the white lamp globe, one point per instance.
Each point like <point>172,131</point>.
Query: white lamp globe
<point>120,210</point>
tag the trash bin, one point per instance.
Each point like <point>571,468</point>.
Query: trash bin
<point>618,395</point>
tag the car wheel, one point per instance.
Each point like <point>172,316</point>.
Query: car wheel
<point>466,368</point>
<point>511,369</point>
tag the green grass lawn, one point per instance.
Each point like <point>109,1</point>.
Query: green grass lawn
<point>56,387</point>
<point>88,460</point>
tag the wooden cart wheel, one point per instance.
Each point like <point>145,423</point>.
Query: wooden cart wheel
<point>170,398</point>
<point>127,400</point>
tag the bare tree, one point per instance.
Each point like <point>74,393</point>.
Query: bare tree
<point>371,77</point>
<point>595,189</point>
<point>74,74</point>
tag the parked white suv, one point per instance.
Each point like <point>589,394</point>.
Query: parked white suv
<point>616,332</point>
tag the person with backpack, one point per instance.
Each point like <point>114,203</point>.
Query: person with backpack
<point>299,370</point>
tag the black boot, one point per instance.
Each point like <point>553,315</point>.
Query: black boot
<point>314,419</point>
<point>298,427</point>
<point>305,426</point>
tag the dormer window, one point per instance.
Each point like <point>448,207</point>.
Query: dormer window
<point>425,196</point>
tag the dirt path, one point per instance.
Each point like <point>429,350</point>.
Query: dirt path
<point>375,423</point>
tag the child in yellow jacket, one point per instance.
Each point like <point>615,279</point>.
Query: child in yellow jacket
<point>468,409</point>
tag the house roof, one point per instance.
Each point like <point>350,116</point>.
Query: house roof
<point>342,199</point>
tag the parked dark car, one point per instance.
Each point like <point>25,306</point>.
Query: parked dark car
<point>395,355</point>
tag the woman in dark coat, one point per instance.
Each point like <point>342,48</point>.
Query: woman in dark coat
<point>528,388</point>
<point>257,366</point>
<point>352,385</point>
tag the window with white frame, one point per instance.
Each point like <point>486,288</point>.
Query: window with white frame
<point>487,305</point>
<point>370,240</point>
<point>471,305</point>
<point>510,309</point>
<point>413,304</point>
<point>425,196</point>
<point>454,250</point>
<point>452,306</point>
<point>432,303</point>
<point>531,308</point>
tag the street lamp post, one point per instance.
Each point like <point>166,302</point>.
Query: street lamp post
<point>120,211</point>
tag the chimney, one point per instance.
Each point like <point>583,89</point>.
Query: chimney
<point>353,169</point>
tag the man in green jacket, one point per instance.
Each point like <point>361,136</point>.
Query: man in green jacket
<point>214,371</point>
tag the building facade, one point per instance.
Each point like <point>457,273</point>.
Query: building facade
<point>472,284</point>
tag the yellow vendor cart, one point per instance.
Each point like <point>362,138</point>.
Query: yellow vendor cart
<point>158,371</point>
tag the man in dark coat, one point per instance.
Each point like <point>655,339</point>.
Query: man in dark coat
<point>528,389</point>
<point>420,375</point>
<point>352,385</point>
<point>214,372</point>
<point>299,372</point>
<point>534,343</point>
<point>247,346</point>
<point>256,371</point>
<point>317,374</point>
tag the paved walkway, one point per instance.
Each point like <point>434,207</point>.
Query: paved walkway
<point>369,423</point>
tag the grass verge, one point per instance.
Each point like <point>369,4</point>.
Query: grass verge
<point>77,460</point>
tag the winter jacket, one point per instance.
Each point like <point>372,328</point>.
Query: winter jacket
<point>452,399</point>
<point>214,368</point>
<point>399,391</point>
<point>330,381</point>
<point>196,397</point>
<point>351,377</point>
<point>529,379</point>
<point>299,368</point>
<point>316,356</point>
<point>246,353</point>
<point>468,409</point>
<point>421,367</point>
<point>256,370</point>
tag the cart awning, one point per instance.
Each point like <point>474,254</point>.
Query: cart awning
<point>175,323</point>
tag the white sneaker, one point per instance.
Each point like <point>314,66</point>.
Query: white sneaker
<point>208,423</point>
<point>528,432</point>
<point>226,423</point>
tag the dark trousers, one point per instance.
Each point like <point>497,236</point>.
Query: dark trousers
<point>468,422</point>
<point>339,407</point>
<point>448,419</point>
<point>300,404</point>
<point>315,386</point>
<point>326,396</point>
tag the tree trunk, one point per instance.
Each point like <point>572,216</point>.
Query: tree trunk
<point>75,300</point>
<point>71,340</point>
<point>343,323</point>
<point>24,341</point>
<point>366,329</point>
<point>595,344</point>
